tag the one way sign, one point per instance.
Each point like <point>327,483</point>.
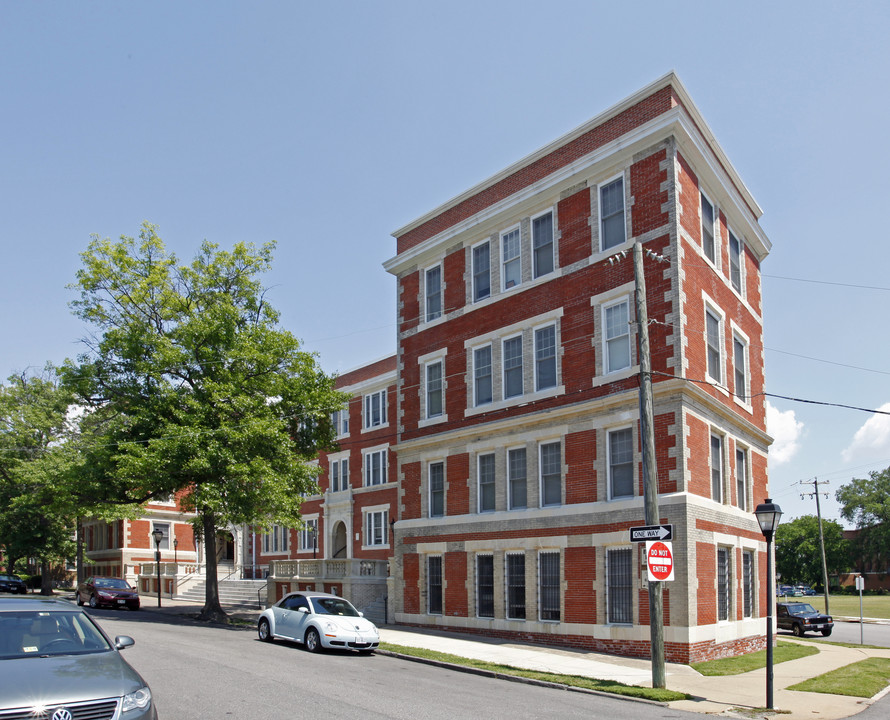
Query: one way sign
<point>645,533</point>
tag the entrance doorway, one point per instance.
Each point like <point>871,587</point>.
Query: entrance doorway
<point>338,541</point>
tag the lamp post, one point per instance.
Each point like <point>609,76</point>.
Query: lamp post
<point>175,546</point>
<point>158,535</point>
<point>768,515</point>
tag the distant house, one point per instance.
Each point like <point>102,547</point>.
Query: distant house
<point>872,565</point>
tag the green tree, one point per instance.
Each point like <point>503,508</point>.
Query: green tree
<point>865,502</point>
<point>36,515</point>
<point>197,388</point>
<point>799,556</point>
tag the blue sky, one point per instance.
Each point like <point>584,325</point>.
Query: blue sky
<point>326,126</point>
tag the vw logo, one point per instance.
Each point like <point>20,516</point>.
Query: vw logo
<point>62,714</point>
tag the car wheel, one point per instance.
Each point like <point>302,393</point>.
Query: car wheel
<point>264,631</point>
<point>79,599</point>
<point>93,602</point>
<point>313,640</point>
<point>826,632</point>
<point>797,630</point>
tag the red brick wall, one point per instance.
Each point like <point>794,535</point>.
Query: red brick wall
<point>647,179</point>
<point>457,496</point>
<point>580,455</point>
<point>411,578</point>
<point>409,299</point>
<point>573,213</point>
<point>580,575</point>
<point>455,286</point>
<point>455,600</point>
<point>706,571</point>
<point>410,499</point>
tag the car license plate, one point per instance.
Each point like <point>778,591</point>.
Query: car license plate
<point>121,602</point>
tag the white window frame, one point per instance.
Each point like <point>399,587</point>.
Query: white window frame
<point>511,500</point>
<point>431,492</point>
<point>277,540</point>
<point>749,573</point>
<point>429,313</point>
<point>475,272</point>
<point>715,233</point>
<point>742,483</point>
<point>717,465</point>
<point>368,470</point>
<point>541,493</point>
<point>711,310</point>
<point>602,217</point>
<point>428,391</point>
<point>338,473</point>
<point>742,395</point>
<point>726,586</point>
<point>607,364</point>
<point>340,421</point>
<point>504,341</point>
<point>368,420</point>
<point>488,456</point>
<point>737,261</point>
<point>475,350</point>
<point>308,535</point>
<point>609,464</point>
<point>517,258</point>
<point>167,529</point>
<point>552,243</point>
<point>379,516</point>
<point>555,358</point>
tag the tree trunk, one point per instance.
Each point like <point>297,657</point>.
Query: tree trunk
<point>212,610</point>
<point>46,580</point>
<point>79,558</point>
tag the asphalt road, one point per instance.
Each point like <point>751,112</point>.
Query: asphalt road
<point>196,671</point>
<point>848,632</point>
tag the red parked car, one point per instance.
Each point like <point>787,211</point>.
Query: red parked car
<point>107,591</point>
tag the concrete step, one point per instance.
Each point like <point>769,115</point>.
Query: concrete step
<point>249,594</point>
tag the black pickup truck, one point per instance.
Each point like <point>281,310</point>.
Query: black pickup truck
<point>801,617</point>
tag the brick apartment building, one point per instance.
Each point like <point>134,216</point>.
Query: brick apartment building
<point>517,440</point>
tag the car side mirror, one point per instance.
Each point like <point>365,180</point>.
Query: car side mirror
<point>123,641</point>
<point>303,610</point>
<point>360,613</point>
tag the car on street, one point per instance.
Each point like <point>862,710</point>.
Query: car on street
<point>318,620</point>
<point>801,617</point>
<point>12,584</point>
<point>56,662</point>
<point>107,592</point>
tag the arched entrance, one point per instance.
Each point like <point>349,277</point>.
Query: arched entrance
<point>225,547</point>
<point>338,541</point>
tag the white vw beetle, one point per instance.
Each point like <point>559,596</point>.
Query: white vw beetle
<point>318,620</point>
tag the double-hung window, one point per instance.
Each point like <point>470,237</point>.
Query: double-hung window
<point>511,265</point>
<point>517,483</point>
<point>437,489</point>
<point>339,474</point>
<point>375,409</point>
<point>481,271</point>
<point>723,583</point>
<point>616,321</point>
<point>619,581</point>
<point>548,585</point>
<point>309,535</point>
<point>376,527</point>
<point>612,230</point>
<point>707,229</point>
<point>434,389</point>
<point>740,368</point>
<point>433,293</point>
<point>735,262</point>
<point>545,358</point>
<point>717,468</point>
<point>515,581</point>
<point>340,421</point>
<point>434,584</point>
<point>741,478</point>
<point>542,244</point>
<point>486,482</point>
<point>512,353</point>
<point>375,467</point>
<point>482,375</point>
<point>551,473</point>
<point>713,340</point>
<point>485,586</point>
<point>621,467</point>
<point>748,584</point>
<point>276,540</point>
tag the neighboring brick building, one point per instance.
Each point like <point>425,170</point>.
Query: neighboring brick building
<point>517,425</point>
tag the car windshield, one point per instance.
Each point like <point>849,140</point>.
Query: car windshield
<point>37,633</point>
<point>334,606</point>
<point>801,609</point>
<point>115,583</point>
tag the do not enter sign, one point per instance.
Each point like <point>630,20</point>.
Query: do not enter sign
<point>659,560</point>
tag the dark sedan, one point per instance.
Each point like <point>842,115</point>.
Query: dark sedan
<point>12,584</point>
<point>107,592</point>
<point>801,617</point>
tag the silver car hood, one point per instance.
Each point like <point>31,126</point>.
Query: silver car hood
<point>65,679</point>
<point>350,623</point>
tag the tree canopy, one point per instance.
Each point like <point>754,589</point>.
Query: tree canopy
<point>196,386</point>
<point>799,556</point>
<point>866,503</point>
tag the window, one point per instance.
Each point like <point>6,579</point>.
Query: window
<point>510,258</point>
<point>542,244</point>
<point>621,466</point>
<point>548,581</point>
<point>713,332</point>
<point>434,584</point>
<point>482,375</point>
<point>741,477</point>
<point>276,540</point>
<point>748,584</point>
<point>740,368</point>
<point>513,367</point>
<point>486,483</point>
<point>376,527</point>
<point>516,479</point>
<point>717,468</point>
<point>434,389</point>
<point>375,409</point>
<point>735,262</point>
<point>433,290</point>
<point>375,467</point>
<point>339,475</point>
<point>309,535</point>
<point>723,580</point>
<point>551,474</point>
<point>707,229</point>
<point>165,540</point>
<point>481,271</point>
<point>616,321</point>
<point>619,594</point>
<point>485,586</point>
<point>515,579</point>
<point>340,421</point>
<point>612,231</point>
<point>545,358</point>
<point>437,489</point>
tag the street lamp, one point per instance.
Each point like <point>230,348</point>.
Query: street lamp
<point>175,546</point>
<point>768,515</point>
<point>158,535</point>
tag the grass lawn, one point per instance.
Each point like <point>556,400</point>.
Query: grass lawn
<point>862,679</point>
<point>783,652</point>
<point>609,686</point>
<point>875,606</point>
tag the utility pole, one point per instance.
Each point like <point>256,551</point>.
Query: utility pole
<point>815,483</point>
<point>650,471</point>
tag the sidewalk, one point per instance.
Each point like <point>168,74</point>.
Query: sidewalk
<point>712,695</point>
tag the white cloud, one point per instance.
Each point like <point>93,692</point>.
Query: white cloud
<point>786,431</point>
<point>872,440</point>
